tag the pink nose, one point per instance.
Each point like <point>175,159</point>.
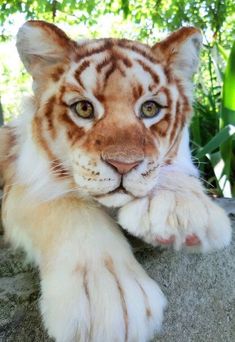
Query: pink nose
<point>122,168</point>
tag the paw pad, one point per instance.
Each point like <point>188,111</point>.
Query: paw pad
<point>168,241</point>
<point>192,240</point>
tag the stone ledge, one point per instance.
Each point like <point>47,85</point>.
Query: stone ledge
<point>200,291</point>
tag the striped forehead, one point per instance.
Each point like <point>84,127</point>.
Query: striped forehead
<point>129,63</point>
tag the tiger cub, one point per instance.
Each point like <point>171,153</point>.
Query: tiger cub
<point>107,126</point>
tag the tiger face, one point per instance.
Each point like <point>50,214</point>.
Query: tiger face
<point>107,115</point>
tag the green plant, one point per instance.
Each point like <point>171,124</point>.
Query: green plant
<point>219,112</point>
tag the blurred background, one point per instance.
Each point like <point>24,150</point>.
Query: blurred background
<point>213,124</point>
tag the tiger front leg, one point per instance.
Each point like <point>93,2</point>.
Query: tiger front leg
<point>177,213</point>
<point>93,289</point>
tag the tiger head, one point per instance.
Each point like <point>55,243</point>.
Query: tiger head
<point>107,115</point>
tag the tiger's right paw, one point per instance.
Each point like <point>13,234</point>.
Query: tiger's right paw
<point>109,300</point>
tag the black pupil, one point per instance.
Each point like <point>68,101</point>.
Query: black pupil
<point>150,107</point>
<point>85,107</point>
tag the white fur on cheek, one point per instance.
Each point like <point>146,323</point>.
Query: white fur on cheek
<point>32,166</point>
<point>33,170</point>
<point>183,159</point>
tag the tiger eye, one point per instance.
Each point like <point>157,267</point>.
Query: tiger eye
<point>149,109</point>
<point>84,109</point>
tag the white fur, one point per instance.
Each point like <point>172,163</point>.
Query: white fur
<point>20,239</point>
<point>183,160</point>
<point>33,170</point>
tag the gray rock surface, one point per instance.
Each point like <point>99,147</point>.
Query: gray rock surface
<point>200,291</point>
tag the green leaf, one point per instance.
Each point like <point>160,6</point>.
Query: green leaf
<point>224,53</point>
<point>125,7</point>
<point>227,116</point>
<point>224,187</point>
<point>195,130</point>
<point>229,83</point>
<point>214,143</point>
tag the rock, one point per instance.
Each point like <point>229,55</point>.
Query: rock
<point>200,291</point>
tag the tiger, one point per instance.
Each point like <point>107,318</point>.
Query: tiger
<point>107,128</point>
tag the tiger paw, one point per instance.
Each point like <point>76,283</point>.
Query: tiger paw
<point>178,219</point>
<point>106,300</point>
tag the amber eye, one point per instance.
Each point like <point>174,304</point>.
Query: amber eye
<point>149,109</point>
<point>84,109</point>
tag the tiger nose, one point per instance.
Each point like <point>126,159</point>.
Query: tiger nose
<point>121,167</point>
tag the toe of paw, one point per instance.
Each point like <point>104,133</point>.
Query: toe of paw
<point>192,240</point>
<point>167,241</point>
<point>219,230</point>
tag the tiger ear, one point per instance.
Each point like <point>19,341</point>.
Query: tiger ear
<point>180,50</point>
<point>41,44</point>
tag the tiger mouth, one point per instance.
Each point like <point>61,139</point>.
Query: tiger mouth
<point>118,190</point>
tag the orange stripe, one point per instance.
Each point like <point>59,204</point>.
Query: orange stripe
<point>74,132</point>
<point>167,92</point>
<point>110,266</point>
<point>106,46</point>
<point>48,114</point>
<point>109,72</point>
<point>176,122</point>
<point>137,91</point>
<point>162,126</point>
<point>126,44</point>
<point>59,170</point>
<point>148,69</point>
<point>37,131</point>
<point>85,64</point>
<point>103,64</point>
<point>57,73</point>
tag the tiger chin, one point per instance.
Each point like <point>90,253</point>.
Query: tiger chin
<point>108,123</point>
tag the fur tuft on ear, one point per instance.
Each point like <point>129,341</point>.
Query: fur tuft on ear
<point>41,44</point>
<point>180,51</point>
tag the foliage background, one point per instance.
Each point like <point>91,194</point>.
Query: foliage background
<point>148,21</point>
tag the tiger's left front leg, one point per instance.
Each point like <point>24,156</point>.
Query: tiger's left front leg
<point>92,287</point>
